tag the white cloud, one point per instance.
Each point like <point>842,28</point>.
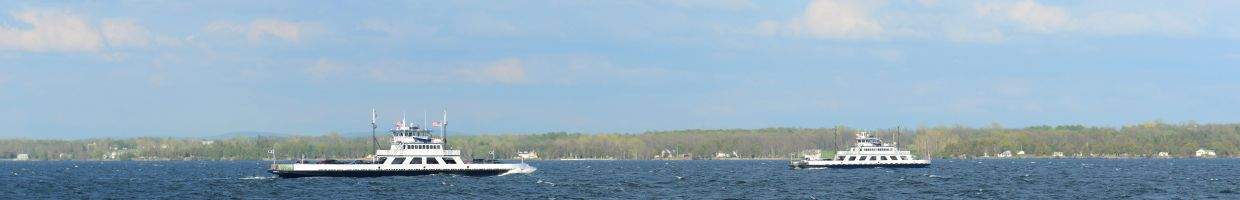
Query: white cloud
<point>991,36</point>
<point>270,27</point>
<point>50,31</point>
<point>1031,15</point>
<point>836,19</point>
<point>1131,23</point>
<point>507,71</point>
<point>261,29</point>
<point>63,31</point>
<point>397,29</point>
<point>562,69</point>
<point>124,33</point>
<point>928,2</point>
<point>1039,18</point>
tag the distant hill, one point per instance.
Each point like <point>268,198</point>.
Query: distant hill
<point>253,134</point>
<point>385,132</point>
<point>250,134</point>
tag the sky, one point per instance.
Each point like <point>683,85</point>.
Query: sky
<point>203,68</point>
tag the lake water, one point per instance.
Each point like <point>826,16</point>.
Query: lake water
<point>945,179</point>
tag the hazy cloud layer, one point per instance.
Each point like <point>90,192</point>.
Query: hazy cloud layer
<point>261,29</point>
<point>837,19</point>
<point>50,31</point>
<point>989,22</point>
<point>507,71</point>
<point>1035,17</point>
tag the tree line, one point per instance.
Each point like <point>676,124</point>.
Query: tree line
<point>1143,139</point>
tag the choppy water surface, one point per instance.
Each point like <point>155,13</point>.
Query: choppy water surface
<point>946,179</point>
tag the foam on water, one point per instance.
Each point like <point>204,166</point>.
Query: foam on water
<point>259,178</point>
<point>522,170</point>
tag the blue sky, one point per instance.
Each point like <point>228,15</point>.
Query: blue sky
<point>202,68</point>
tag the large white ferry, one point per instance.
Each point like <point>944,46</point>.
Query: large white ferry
<point>413,151</point>
<point>868,152</point>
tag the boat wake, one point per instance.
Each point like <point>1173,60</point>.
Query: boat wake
<point>522,170</point>
<point>258,178</point>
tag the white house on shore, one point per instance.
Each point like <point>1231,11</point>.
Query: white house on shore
<point>526,155</point>
<point>1205,153</point>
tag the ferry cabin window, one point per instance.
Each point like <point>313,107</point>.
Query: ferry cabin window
<point>839,158</point>
<point>864,157</point>
<point>416,160</point>
<point>450,161</point>
<point>852,158</point>
<point>432,161</point>
<point>381,160</point>
<point>397,161</point>
<point>903,157</point>
<point>882,157</point>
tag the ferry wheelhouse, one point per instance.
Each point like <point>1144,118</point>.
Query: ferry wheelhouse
<point>868,152</point>
<point>412,151</point>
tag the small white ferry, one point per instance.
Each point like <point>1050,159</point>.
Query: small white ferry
<point>413,151</point>
<point>869,152</point>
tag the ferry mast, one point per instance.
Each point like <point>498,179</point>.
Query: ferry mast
<point>443,126</point>
<point>374,140</point>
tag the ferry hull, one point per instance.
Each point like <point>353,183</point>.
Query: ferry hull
<point>472,172</point>
<point>375,170</point>
<point>911,165</point>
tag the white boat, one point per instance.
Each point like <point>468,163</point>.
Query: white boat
<point>413,151</point>
<point>868,152</point>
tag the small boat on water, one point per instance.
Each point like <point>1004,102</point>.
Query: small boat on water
<point>413,151</point>
<point>868,152</point>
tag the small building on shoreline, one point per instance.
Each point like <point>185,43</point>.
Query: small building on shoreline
<point>1205,153</point>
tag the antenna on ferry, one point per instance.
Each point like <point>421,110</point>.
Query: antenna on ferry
<point>445,127</point>
<point>373,139</point>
